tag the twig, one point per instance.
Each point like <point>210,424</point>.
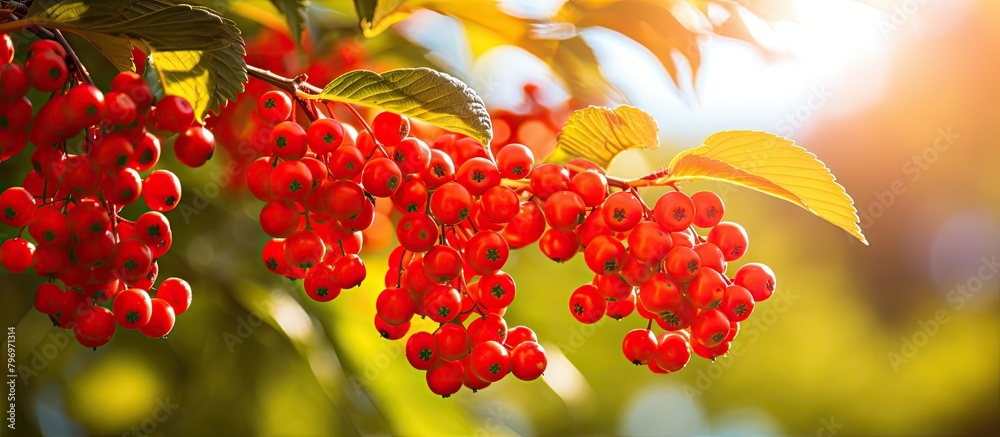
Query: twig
<point>80,69</point>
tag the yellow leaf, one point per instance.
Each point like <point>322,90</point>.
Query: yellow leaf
<point>378,16</point>
<point>773,165</point>
<point>600,134</point>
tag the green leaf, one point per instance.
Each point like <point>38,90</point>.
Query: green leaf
<point>153,80</point>
<point>419,93</point>
<point>295,13</point>
<point>599,134</point>
<point>197,54</point>
<point>772,165</point>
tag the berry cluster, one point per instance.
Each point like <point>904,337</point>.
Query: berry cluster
<point>651,261</point>
<point>321,184</point>
<point>90,150</point>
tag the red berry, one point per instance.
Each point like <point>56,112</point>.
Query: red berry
<point>421,351</point>
<point>639,346</point>
<point>348,271</point>
<point>491,361</point>
<point>518,335</point>
<point>195,146</point>
<point>515,161</point>
<point>16,207</point>
<point>451,203</point>
<point>547,179</point>
<point>177,293</point>
<point>6,49</point>
<point>288,141</point>
<point>381,177</point>
<point>274,106</point>
<point>47,71</point>
<point>442,263</point>
<point>731,239</point>
<point>559,246</point>
<point>395,306</point>
<point>390,128</point>
<point>478,175</point>
<point>133,308</point>
<point>564,210</point>
<point>319,283</point>
<point>709,209</point>
<point>291,180</point>
<point>412,156</point>
<point>528,361</point>
<point>587,305</point>
<point>452,342</point>
<point>16,254</point>
<point>660,293</point>
<point>134,86</point>
<point>95,326</point>
<point>707,289</point>
<point>526,227</point>
<point>605,255</point>
<point>674,211</point>
<point>439,170</point>
<point>710,328</point>
<point>304,249</point>
<point>443,304</point>
<point>325,135</point>
<point>622,211</point>
<point>682,263</point>
<point>649,243</point>
<point>673,352</point>
<point>758,278</point>
<point>417,232</point>
<point>161,190</point>
<point>390,332</point>
<point>447,378</point>
<point>161,319</point>
<point>486,252</point>
<point>279,218</point>
<point>173,114</point>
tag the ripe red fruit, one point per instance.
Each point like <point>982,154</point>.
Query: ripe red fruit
<point>731,239</point>
<point>526,227</point>
<point>442,304</point>
<point>605,255</point>
<point>486,252</point>
<point>395,306</point>
<point>325,135</point>
<point>304,249</point>
<point>16,207</point>
<point>452,342</point>
<point>319,282</point>
<point>348,271</point>
<point>421,351</point>
<point>95,326</point>
<point>173,114</point>
<point>674,211</point>
<point>146,154</point>
<point>390,332</point>
<point>442,263</point>
<point>161,190</point>
<point>710,328</point>
<point>16,254</point>
<point>288,141</point>
<point>639,346</point>
<point>478,175</point>
<point>649,243</point>
<point>151,228</point>
<point>134,86</point>
<point>161,319</point>
<point>447,378</point>
<point>132,260</point>
<point>660,293</point>
<point>564,210</point>
<point>195,146</point>
<point>47,297</point>
<point>279,218</point>
<point>13,82</point>
<point>120,109</point>
<point>6,49</point>
<point>758,278</point>
<point>500,204</point>
<point>707,289</point>
<point>709,209</point>
<point>274,106</point>
<point>84,106</point>
<point>412,156</point>
<point>518,335</point>
<point>559,246</point>
<point>737,303</point>
<point>682,263</point>
<point>621,308</point>
<point>47,71</point>
<point>491,361</point>
<point>133,308</point>
<point>587,305</point>
<point>711,257</point>
<point>451,203</point>
<point>515,161</point>
<point>528,361</point>
<point>381,177</point>
<point>547,179</point>
<point>390,128</point>
<point>710,353</point>
<point>417,232</point>
<point>622,211</point>
<point>177,293</point>
<point>673,352</point>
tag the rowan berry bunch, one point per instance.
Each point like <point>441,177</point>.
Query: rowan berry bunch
<point>652,261</point>
<point>90,152</point>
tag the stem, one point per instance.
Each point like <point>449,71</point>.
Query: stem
<point>357,115</point>
<point>80,69</point>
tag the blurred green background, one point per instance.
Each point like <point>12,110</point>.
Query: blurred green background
<point>899,338</point>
